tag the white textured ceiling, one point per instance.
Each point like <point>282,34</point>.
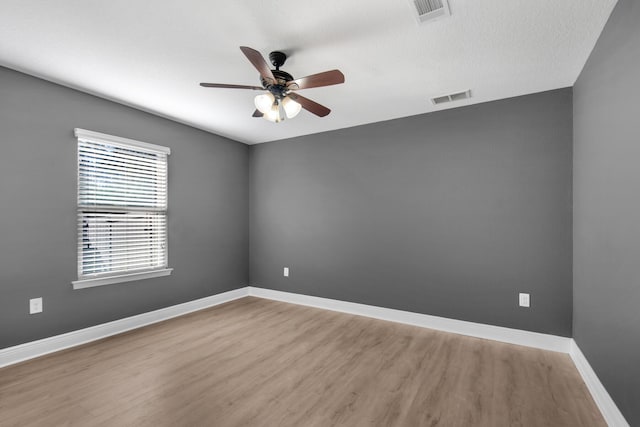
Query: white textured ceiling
<point>152,54</point>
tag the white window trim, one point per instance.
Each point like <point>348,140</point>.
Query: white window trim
<point>110,280</point>
<point>123,142</point>
<point>127,277</point>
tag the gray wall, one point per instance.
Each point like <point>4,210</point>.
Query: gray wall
<point>208,210</point>
<point>607,209</point>
<point>450,214</point>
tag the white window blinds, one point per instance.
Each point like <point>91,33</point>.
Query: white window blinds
<point>122,206</point>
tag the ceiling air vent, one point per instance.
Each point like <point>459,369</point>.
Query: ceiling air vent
<point>431,9</point>
<point>458,96</point>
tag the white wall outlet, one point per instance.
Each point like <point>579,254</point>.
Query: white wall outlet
<point>286,272</point>
<point>525,300</point>
<point>35,305</point>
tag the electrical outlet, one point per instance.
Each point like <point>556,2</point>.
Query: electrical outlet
<point>286,272</point>
<point>35,305</point>
<point>525,300</point>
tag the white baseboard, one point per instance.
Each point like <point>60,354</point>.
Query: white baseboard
<point>608,408</point>
<point>496,333</point>
<point>30,350</point>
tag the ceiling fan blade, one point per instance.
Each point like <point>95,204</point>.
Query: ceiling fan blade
<point>326,78</point>
<point>257,113</point>
<point>258,61</point>
<point>309,105</point>
<point>226,86</point>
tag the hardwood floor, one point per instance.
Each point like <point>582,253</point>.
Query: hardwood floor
<point>254,362</point>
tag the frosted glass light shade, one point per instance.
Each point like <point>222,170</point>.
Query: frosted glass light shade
<point>264,102</point>
<point>291,107</point>
<point>275,113</point>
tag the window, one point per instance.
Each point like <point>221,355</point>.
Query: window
<point>122,210</point>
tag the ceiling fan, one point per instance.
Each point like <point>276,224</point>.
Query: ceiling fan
<point>281,99</point>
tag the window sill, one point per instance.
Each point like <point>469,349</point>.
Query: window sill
<point>110,280</point>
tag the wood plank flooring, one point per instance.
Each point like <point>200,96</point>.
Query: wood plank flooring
<point>254,362</point>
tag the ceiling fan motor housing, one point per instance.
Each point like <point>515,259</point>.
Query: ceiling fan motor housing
<point>279,88</point>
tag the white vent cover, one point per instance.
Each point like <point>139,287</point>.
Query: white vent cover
<point>431,9</point>
<point>458,96</point>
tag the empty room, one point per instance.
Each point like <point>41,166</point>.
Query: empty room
<point>340,213</point>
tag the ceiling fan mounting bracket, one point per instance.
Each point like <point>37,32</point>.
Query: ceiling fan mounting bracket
<point>277,58</point>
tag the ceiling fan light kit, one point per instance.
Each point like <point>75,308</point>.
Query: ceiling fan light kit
<point>281,100</point>
<point>274,109</point>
